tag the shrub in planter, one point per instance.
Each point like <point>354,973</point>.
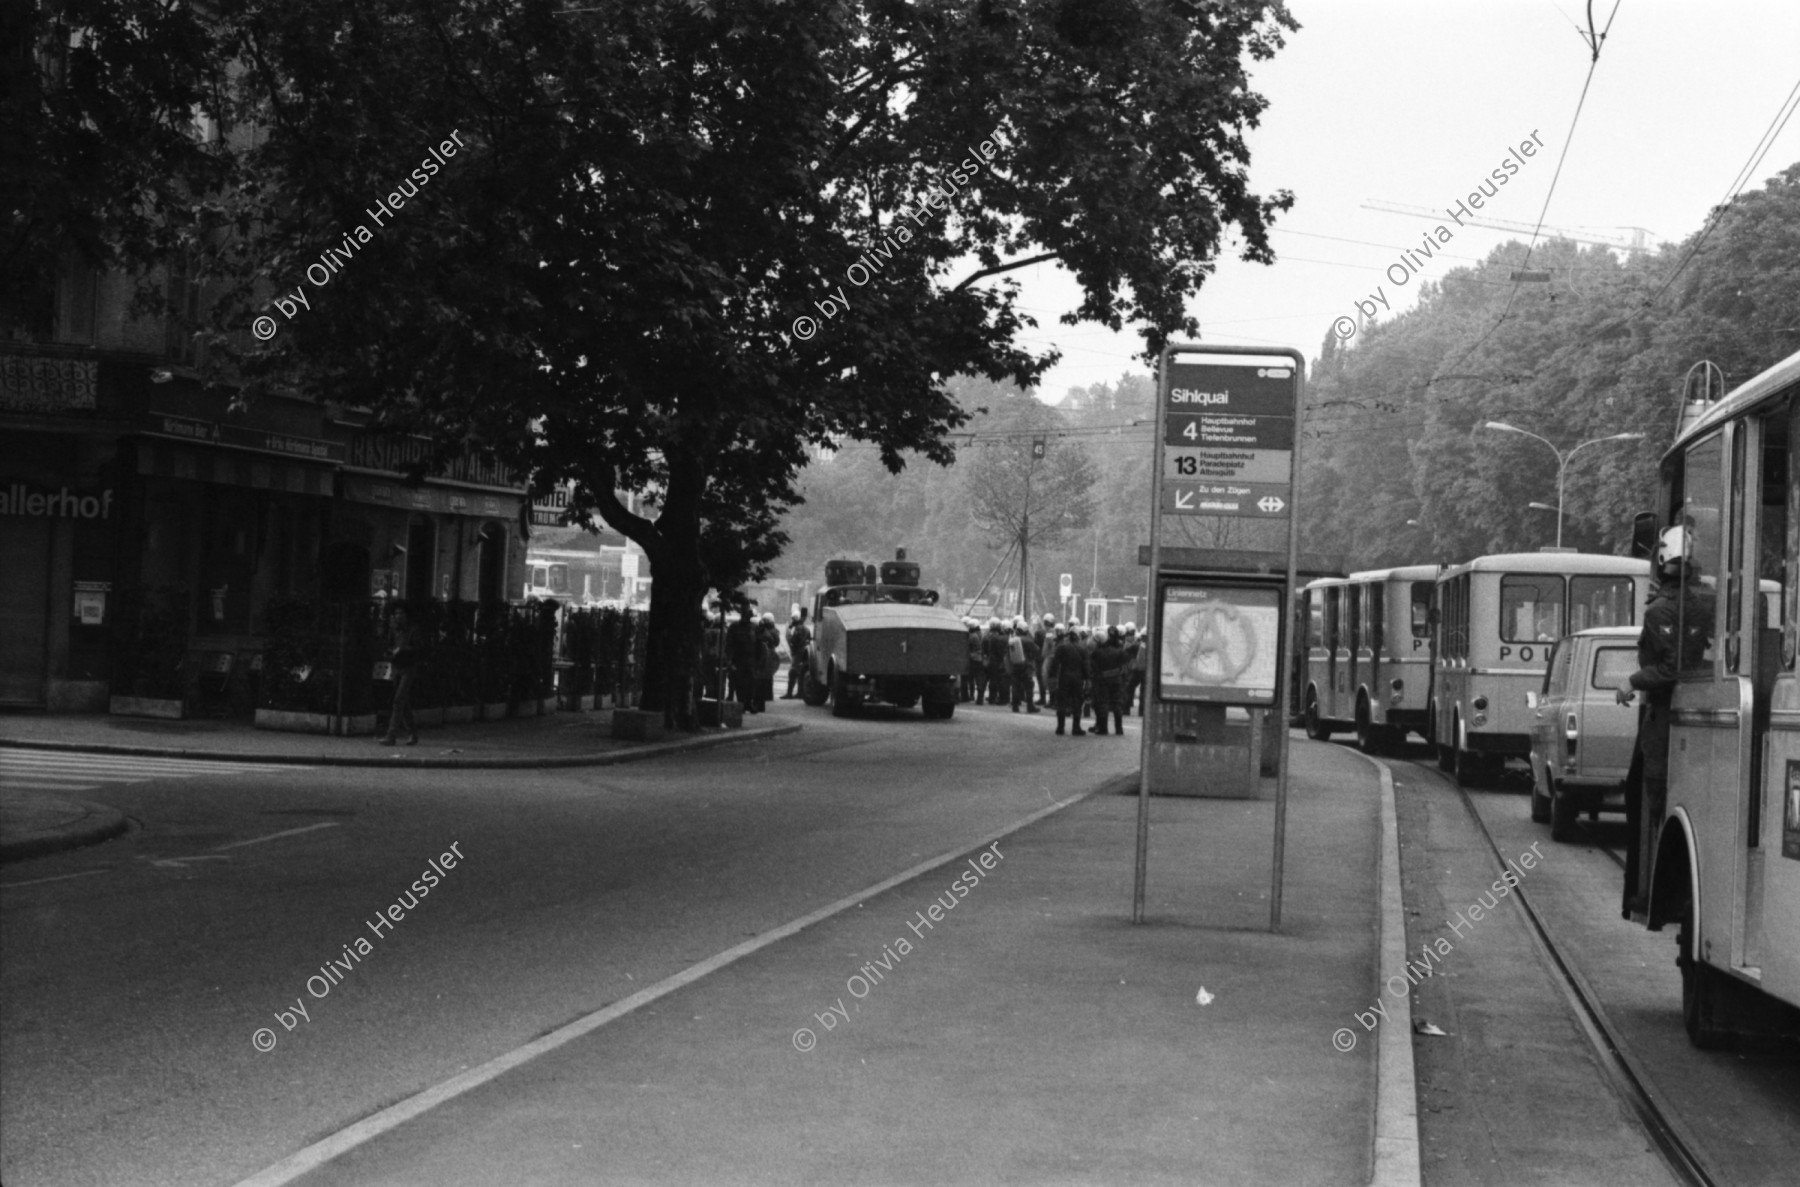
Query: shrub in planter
<point>494,681</point>
<point>305,639</point>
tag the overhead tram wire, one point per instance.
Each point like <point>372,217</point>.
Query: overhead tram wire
<point>1594,41</point>
<point>1764,143</point>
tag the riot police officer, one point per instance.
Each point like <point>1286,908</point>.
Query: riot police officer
<point>1678,626</point>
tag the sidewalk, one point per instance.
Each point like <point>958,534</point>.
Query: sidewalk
<point>1031,1034</point>
<point>32,824</point>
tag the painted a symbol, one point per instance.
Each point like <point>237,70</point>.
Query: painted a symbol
<point>1216,644</point>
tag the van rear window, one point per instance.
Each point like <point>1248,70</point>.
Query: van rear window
<point>1612,665</point>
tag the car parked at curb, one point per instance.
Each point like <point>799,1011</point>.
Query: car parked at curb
<point>1581,737</point>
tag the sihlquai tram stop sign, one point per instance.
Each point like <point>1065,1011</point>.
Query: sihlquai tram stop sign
<point>1224,545</point>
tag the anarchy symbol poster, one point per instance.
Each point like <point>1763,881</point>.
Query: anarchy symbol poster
<point>1220,644</point>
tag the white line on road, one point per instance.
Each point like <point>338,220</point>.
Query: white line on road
<point>55,878</point>
<point>291,832</point>
<point>369,1128</point>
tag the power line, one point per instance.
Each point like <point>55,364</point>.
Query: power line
<point>1594,41</point>
<point>1763,144</point>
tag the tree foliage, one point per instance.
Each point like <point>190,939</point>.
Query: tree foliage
<point>1394,422</point>
<point>606,284</point>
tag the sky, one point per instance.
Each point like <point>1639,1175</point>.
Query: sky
<point>1414,103</point>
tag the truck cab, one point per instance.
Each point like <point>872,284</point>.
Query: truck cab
<point>879,636</point>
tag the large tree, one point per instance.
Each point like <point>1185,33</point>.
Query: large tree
<point>683,242</point>
<point>1027,490</point>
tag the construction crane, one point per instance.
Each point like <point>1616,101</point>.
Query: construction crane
<point>1638,240</point>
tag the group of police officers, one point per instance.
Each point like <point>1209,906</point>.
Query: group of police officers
<point>1076,670</point>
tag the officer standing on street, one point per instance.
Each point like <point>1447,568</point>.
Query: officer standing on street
<point>1107,665</point>
<point>799,640</point>
<point>1022,660</point>
<point>1678,626</point>
<point>1067,671</point>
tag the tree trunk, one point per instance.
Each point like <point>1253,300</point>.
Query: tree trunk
<point>675,636</point>
<point>678,582</point>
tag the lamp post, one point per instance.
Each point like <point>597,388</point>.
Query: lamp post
<point>1562,460</point>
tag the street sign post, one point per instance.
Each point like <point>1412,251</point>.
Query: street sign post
<point>1224,475</point>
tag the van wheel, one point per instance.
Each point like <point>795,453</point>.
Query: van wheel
<point>1540,803</point>
<point>1465,766</point>
<point>1316,729</point>
<point>811,691</point>
<point>1370,738</point>
<point>1563,814</point>
<point>1700,1012</point>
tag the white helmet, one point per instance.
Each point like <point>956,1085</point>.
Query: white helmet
<point>1673,550</point>
<point>1131,628</point>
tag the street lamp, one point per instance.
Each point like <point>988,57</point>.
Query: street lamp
<point>1562,460</point>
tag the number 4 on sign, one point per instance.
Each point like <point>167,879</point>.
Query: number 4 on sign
<point>1192,431</point>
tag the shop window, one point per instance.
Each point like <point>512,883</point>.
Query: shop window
<point>181,340</point>
<point>491,564</point>
<point>229,546</point>
<point>77,297</point>
<point>421,557</point>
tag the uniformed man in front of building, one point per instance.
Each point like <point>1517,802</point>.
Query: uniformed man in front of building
<point>1678,627</point>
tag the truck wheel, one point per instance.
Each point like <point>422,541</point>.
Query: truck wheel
<point>1700,1012</point>
<point>940,710</point>
<point>1563,814</point>
<point>811,691</point>
<point>842,703</point>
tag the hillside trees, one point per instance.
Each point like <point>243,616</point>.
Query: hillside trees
<point>1393,421</point>
<point>606,285</point>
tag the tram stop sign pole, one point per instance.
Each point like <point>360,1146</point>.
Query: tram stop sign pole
<point>1226,470</point>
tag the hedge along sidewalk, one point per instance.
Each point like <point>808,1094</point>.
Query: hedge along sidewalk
<point>558,740</point>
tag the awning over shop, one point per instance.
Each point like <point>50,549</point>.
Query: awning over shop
<point>432,497</point>
<point>232,467</point>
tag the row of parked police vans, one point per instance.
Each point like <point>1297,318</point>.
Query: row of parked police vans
<point>1517,656</point>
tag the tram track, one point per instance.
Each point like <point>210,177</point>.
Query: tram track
<point>1624,1071</point>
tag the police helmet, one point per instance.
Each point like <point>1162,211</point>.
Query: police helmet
<point>1673,552</point>
<point>1131,628</point>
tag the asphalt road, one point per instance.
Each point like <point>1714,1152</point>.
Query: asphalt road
<point>139,990</point>
<point>1510,1092</point>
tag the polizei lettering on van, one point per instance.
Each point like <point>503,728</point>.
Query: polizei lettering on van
<point>1188,395</point>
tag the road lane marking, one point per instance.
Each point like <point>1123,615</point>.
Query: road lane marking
<point>291,832</point>
<point>312,1157</point>
<point>55,878</point>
